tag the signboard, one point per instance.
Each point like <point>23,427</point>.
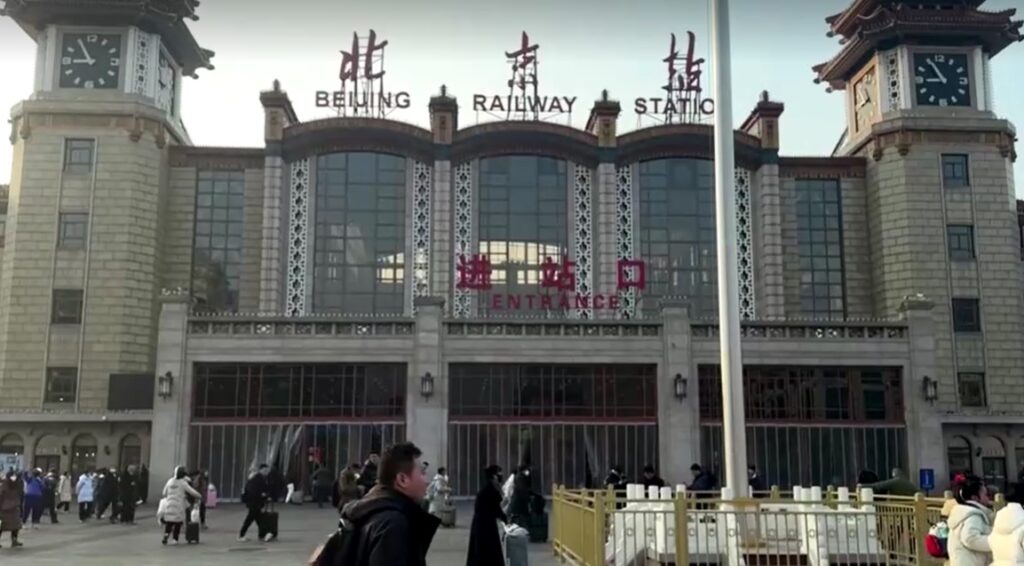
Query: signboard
<point>558,278</point>
<point>926,479</point>
<point>362,73</point>
<point>11,462</point>
<point>683,101</point>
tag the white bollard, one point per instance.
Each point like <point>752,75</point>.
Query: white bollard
<point>843,494</point>
<point>652,493</point>
<point>666,493</point>
<point>680,488</point>
<point>815,494</point>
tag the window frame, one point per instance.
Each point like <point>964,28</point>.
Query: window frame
<point>60,297</point>
<point>72,149</point>
<point>55,372</point>
<point>960,253</point>
<point>216,220</point>
<point>62,236</point>
<point>958,182</point>
<point>980,384</point>
<point>816,237</point>
<point>974,326</point>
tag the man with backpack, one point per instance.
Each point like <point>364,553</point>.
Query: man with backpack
<point>388,526</point>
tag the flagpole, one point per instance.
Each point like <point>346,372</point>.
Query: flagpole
<point>733,421</point>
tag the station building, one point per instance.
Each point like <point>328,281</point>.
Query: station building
<point>510,291</point>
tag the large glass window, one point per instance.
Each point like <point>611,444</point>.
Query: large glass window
<point>779,393</point>
<point>314,390</point>
<point>677,230</point>
<point>359,260</point>
<point>819,236</point>
<point>523,221</point>
<point>217,248</point>
<point>564,391</point>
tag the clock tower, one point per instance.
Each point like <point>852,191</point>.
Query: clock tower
<point>84,243</point>
<point>940,189</point>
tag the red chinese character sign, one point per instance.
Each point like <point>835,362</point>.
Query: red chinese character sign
<point>475,274</point>
<point>362,90</point>
<point>683,101</point>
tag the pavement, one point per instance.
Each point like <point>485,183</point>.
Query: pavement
<point>302,528</point>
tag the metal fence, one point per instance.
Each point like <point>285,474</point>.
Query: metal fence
<point>809,527</point>
<point>229,451</point>
<point>566,453</point>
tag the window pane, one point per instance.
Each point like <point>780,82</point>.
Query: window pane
<point>217,258</point>
<point>359,257</point>
<point>819,238</point>
<point>966,315</point>
<point>676,233</point>
<point>67,306</point>
<point>954,170</point>
<point>78,156</point>
<point>61,384</point>
<point>961,242</point>
<point>72,230</point>
<point>972,389</point>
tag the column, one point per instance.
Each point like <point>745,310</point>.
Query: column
<point>678,419</point>
<point>170,415</point>
<point>925,445</point>
<point>444,121</point>
<point>603,123</point>
<point>427,417</point>
<point>278,115</point>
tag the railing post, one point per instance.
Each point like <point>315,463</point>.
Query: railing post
<point>774,496</point>
<point>682,540</point>
<point>597,545</point>
<point>556,538</point>
<point>921,527</point>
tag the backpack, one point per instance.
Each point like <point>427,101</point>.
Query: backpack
<point>935,542</point>
<point>340,547</point>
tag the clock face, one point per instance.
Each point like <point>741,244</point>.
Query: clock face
<point>165,84</point>
<point>864,106</point>
<point>942,79</point>
<point>90,60</point>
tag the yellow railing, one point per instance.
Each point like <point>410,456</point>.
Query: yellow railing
<point>604,528</point>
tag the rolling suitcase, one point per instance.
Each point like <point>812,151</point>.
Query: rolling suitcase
<point>192,527</point>
<point>267,523</point>
<point>191,533</point>
<point>515,546</point>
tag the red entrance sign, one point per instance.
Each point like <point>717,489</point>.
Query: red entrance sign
<point>474,273</point>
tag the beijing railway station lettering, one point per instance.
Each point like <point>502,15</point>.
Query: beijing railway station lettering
<point>475,274</point>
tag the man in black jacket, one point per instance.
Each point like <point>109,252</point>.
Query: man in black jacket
<point>254,496</point>
<point>393,529</point>
<point>368,477</point>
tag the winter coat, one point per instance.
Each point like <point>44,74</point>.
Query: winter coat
<point>705,481</point>
<point>34,486</point>
<point>346,489</point>
<point>11,492</point>
<point>899,486</point>
<point>369,476</point>
<point>64,489</point>
<point>50,490</point>
<point>175,491</point>
<point>654,481</point>
<point>437,494</point>
<point>484,541</point>
<point>85,489</point>
<point>394,530</point>
<point>127,489</point>
<point>256,491</point>
<point>1007,538</point>
<point>969,527</point>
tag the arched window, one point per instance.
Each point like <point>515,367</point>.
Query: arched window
<point>993,461</point>
<point>83,453</point>
<point>523,201</point>
<point>12,449</point>
<point>959,457</point>
<point>676,224</point>
<point>359,246</point>
<point>48,453</point>
<point>130,452</point>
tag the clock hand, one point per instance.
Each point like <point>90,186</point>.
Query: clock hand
<point>85,52</point>
<point>937,71</point>
<point>933,80</point>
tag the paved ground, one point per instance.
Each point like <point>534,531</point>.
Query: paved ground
<point>302,528</point>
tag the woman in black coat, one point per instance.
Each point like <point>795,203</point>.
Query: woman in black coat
<point>484,541</point>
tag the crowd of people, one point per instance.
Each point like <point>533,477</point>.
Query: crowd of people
<point>26,496</point>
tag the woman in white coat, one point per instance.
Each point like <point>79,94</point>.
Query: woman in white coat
<point>64,492</point>
<point>84,488</point>
<point>970,524</point>
<point>173,511</point>
<point>1007,538</point>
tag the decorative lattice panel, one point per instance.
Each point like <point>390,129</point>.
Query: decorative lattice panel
<point>624,243</point>
<point>583,239</point>
<point>894,79</point>
<point>744,245</point>
<point>298,238</point>
<point>463,235</point>
<point>145,45</point>
<point>422,188</point>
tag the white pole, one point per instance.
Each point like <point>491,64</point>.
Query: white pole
<point>733,427</point>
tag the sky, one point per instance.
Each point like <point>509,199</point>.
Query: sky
<point>585,46</point>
